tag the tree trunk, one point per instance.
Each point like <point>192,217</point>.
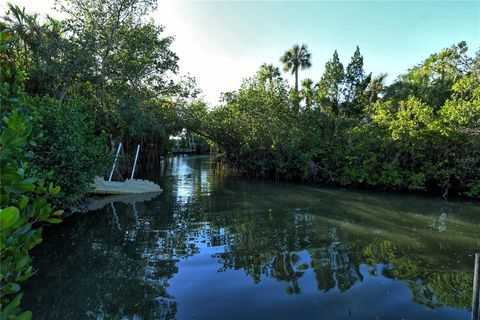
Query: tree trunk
<point>296,79</point>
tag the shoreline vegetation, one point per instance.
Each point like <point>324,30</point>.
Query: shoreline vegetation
<point>72,89</point>
<point>419,134</point>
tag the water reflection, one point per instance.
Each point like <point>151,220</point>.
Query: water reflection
<point>214,247</point>
<point>98,203</point>
<point>190,182</point>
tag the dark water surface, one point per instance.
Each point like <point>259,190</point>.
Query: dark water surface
<point>218,247</point>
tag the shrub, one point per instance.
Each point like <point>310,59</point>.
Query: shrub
<point>25,206</point>
<point>70,149</point>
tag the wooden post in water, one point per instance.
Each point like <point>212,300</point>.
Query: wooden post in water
<point>476,289</point>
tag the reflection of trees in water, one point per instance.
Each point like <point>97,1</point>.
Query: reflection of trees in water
<point>283,270</point>
<point>335,259</point>
<point>430,286</point>
<point>332,265</point>
<point>125,273</point>
<point>112,274</point>
<point>274,252</point>
<point>125,265</point>
<point>265,251</point>
<point>266,244</point>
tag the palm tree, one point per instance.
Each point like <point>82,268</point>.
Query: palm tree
<point>268,72</point>
<point>24,25</point>
<point>308,92</point>
<point>296,58</point>
<point>376,86</point>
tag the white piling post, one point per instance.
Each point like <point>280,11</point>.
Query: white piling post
<point>476,289</point>
<point>135,162</point>
<point>115,161</point>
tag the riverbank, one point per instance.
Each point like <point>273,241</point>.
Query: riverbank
<point>224,168</point>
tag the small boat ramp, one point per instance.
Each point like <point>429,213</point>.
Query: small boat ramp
<point>129,186</point>
<point>126,187</point>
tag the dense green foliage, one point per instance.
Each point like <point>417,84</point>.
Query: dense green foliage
<point>25,195</point>
<point>70,148</point>
<point>420,133</point>
<point>103,75</point>
<point>24,199</point>
<point>71,90</point>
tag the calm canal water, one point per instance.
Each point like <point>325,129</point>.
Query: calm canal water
<point>219,247</point>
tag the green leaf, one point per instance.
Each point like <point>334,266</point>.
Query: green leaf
<point>17,142</point>
<point>22,202</point>
<point>55,191</point>
<point>57,213</point>
<point>8,310</point>
<point>7,136</point>
<point>29,180</point>
<point>8,217</point>
<point>22,262</point>
<point>21,172</point>
<point>54,220</point>
<point>27,315</point>
<point>9,177</point>
<point>24,229</point>
<point>24,186</point>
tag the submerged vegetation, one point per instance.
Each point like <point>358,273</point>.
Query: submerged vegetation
<point>72,89</point>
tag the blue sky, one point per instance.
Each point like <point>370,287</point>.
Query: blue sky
<point>221,42</point>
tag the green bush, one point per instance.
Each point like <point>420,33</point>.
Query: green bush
<point>25,206</point>
<point>70,148</point>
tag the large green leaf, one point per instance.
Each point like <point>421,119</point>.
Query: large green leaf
<point>27,315</point>
<point>8,177</point>
<point>8,217</point>
<point>24,186</point>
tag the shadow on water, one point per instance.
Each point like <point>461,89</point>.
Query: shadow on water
<point>214,247</point>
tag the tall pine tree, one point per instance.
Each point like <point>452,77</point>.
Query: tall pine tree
<point>331,83</point>
<point>356,83</point>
